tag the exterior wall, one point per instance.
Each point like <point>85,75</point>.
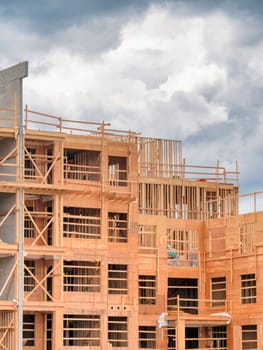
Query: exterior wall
<point>234,261</point>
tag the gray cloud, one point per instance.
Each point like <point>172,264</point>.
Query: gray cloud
<point>47,16</point>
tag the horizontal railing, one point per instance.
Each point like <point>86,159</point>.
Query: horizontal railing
<point>77,226</point>
<point>197,306</point>
<point>215,208</point>
<point>192,172</point>
<point>47,122</point>
<point>246,203</point>
<point>81,172</point>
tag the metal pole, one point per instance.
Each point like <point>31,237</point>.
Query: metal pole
<point>20,233</point>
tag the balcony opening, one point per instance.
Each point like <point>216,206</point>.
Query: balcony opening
<point>82,165</point>
<point>183,294</point>
<point>81,223</point>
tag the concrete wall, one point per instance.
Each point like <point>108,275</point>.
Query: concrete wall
<point>11,93</point>
<point>8,169</point>
<point>8,229</point>
<point>6,265</point>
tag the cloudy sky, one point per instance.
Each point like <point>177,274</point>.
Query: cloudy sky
<point>183,69</point>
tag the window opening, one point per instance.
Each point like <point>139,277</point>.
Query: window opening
<point>182,246</point>
<point>117,227</point>
<point>117,279</point>
<point>50,227</point>
<point>147,337</point>
<point>219,335</point>
<point>118,331</point>
<point>30,170</point>
<point>118,171</point>
<point>147,238</point>
<point>147,289</point>
<point>81,223</point>
<point>81,330</point>
<point>49,153</point>
<point>29,282</point>
<point>248,289</point>
<point>191,338</point>
<point>49,332</point>
<point>249,337</point>
<point>49,284</point>
<point>29,229</point>
<point>81,276</point>
<point>28,330</point>
<point>218,291</point>
<point>171,333</point>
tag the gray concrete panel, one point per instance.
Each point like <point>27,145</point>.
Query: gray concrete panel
<point>15,72</point>
<point>11,94</point>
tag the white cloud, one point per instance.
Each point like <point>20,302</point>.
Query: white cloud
<point>164,72</point>
<point>153,77</point>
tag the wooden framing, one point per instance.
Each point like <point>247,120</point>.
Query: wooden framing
<point>124,244</point>
<point>7,329</point>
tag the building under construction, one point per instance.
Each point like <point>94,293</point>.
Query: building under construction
<point>111,240</point>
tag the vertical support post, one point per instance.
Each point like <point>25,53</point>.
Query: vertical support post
<point>26,117</point>
<point>180,335</point>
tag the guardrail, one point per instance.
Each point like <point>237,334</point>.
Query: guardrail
<point>47,122</point>
<point>196,306</point>
<point>198,173</point>
<point>246,203</point>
